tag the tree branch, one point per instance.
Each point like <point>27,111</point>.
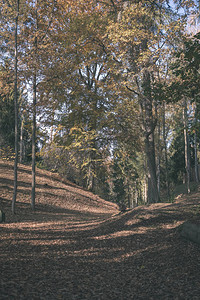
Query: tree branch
<point>133,91</point>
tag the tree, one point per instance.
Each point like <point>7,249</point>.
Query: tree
<point>7,115</point>
<point>16,110</point>
<point>186,89</point>
<point>36,33</point>
<point>10,14</point>
<point>133,41</point>
<point>35,62</point>
<point>85,99</point>
<point>131,35</point>
<point>99,79</point>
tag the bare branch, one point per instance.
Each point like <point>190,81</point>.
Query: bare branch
<point>133,91</point>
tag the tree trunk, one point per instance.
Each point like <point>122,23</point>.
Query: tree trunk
<point>149,128</point>
<point>195,150</point>
<point>136,194</point>
<point>187,156</point>
<point>196,158</point>
<point>34,114</point>
<point>152,194</point>
<point>90,176</point>
<point>33,142</point>
<point>16,111</point>
<point>158,150</point>
<point>146,189</point>
<point>165,153</point>
<point>131,196</point>
<point>21,157</point>
<point>145,181</point>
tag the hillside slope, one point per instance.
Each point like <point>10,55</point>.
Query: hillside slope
<point>75,247</point>
<point>54,197</point>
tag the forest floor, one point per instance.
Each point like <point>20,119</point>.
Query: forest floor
<point>78,246</point>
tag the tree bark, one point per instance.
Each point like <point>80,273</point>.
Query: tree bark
<point>196,158</point>
<point>187,156</point>
<point>33,143</point>
<point>152,194</point>
<point>136,194</point>
<point>16,111</point>
<point>89,78</point>
<point>158,149</point>
<point>21,157</point>
<point>34,113</point>
<point>165,153</point>
<point>149,128</point>
<point>145,181</point>
<point>195,150</point>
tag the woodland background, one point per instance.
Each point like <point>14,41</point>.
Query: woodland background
<point>106,93</point>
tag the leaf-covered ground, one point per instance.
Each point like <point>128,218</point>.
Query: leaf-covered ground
<point>78,246</point>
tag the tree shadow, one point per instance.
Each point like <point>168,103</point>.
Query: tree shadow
<point>74,261</point>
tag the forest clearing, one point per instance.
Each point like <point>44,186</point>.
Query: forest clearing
<point>78,246</point>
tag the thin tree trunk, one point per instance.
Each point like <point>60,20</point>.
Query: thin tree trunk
<point>145,181</point>
<point>21,157</point>
<point>90,176</point>
<point>195,150</point>
<point>52,122</point>
<point>196,158</point>
<point>35,48</point>
<point>33,143</point>
<point>165,153</point>
<point>158,150</point>
<point>16,112</point>
<point>146,190</point>
<point>136,194</point>
<point>34,115</point>
<point>187,157</point>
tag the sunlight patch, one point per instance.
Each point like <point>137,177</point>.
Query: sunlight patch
<point>114,235</point>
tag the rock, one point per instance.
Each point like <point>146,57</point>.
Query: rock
<point>191,231</point>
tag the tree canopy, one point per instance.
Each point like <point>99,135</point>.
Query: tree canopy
<point>103,84</point>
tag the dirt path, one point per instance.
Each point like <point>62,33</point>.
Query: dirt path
<point>67,253</point>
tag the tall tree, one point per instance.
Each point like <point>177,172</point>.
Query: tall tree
<point>196,143</point>
<point>35,49</point>
<point>36,31</point>
<point>84,100</point>
<point>16,109</point>
<point>132,51</point>
<point>185,87</point>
